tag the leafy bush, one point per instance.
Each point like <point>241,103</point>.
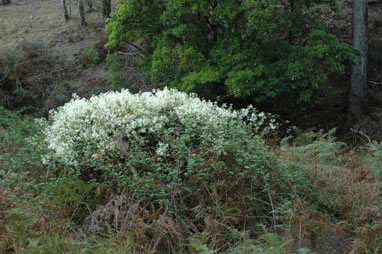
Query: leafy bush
<point>17,154</point>
<point>66,197</point>
<point>33,49</point>
<point>25,72</point>
<point>267,243</point>
<point>9,63</point>
<point>91,56</point>
<point>16,126</point>
<point>173,158</point>
<point>267,50</point>
<point>322,147</point>
<point>118,136</point>
<point>118,76</point>
<point>374,158</point>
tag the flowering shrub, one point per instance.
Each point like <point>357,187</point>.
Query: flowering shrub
<point>149,140</point>
<point>108,124</point>
<point>175,156</point>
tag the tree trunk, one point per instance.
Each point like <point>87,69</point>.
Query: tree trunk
<point>358,86</point>
<point>5,2</point>
<point>103,7</point>
<point>65,10</point>
<point>106,8</point>
<point>108,11</point>
<point>81,13</point>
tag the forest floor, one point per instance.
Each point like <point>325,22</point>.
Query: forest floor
<point>70,58</point>
<point>41,21</point>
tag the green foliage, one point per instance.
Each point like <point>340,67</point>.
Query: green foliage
<point>117,76</point>
<point>304,251</point>
<point>18,223</point>
<point>324,179</point>
<point>91,56</point>
<point>174,156</point>
<point>266,243</point>
<point>9,66</point>
<point>56,243</point>
<point>17,154</point>
<point>374,158</point>
<point>266,50</point>
<point>201,248</point>
<point>66,197</point>
<point>25,72</point>
<point>16,127</point>
<point>33,49</point>
<point>322,146</point>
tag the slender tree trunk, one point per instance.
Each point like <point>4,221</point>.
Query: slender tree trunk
<point>106,8</point>
<point>81,13</point>
<point>65,10</point>
<point>5,2</point>
<point>358,87</point>
<point>290,36</point>
<point>103,7</point>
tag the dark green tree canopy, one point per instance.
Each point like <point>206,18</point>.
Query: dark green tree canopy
<point>263,49</point>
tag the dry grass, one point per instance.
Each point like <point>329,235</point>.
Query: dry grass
<point>342,211</point>
<point>47,22</point>
<point>65,67</point>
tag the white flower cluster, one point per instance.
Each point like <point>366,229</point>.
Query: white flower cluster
<point>94,127</point>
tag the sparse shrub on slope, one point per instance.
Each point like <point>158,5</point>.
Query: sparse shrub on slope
<point>322,146</point>
<point>185,167</point>
<point>374,158</point>
<point>90,56</point>
<point>9,72</point>
<point>28,73</point>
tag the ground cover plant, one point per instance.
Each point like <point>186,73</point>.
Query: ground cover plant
<point>341,210</point>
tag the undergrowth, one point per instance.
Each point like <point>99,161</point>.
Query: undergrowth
<point>312,187</point>
<point>344,201</point>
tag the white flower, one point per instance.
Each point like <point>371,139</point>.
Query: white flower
<point>162,149</point>
<point>91,126</point>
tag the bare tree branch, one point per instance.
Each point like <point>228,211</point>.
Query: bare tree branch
<point>136,50</point>
<point>362,134</point>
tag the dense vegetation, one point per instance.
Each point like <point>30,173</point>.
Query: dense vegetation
<point>206,189</point>
<point>179,158</point>
<point>169,171</point>
<point>258,50</point>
